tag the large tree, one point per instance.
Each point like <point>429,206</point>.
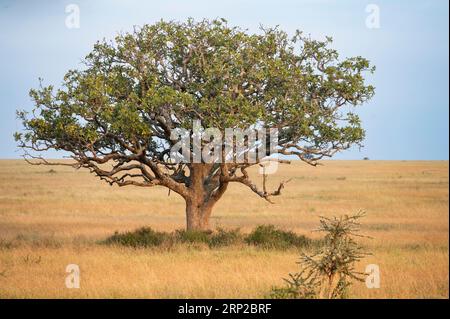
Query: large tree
<point>118,114</point>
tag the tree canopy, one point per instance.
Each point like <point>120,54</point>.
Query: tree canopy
<point>116,116</point>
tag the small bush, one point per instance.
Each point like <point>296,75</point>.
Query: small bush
<point>268,236</point>
<point>192,236</point>
<point>297,287</point>
<point>329,271</point>
<point>143,237</point>
<point>225,237</point>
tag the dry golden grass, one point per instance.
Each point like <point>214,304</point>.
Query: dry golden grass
<point>53,219</point>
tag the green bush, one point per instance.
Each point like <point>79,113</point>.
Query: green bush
<point>268,236</point>
<point>192,236</point>
<point>223,237</point>
<point>143,237</point>
<point>265,236</point>
<point>219,238</point>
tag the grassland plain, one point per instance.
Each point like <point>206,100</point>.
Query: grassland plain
<point>54,216</point>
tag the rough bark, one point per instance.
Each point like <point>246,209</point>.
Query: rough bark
<point>205,189</point>
<point>197,215</point>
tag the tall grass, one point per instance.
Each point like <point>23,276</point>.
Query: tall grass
<point>61,217</point>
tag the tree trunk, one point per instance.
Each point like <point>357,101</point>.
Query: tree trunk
<point>197,215</point>
<point>201,197</point>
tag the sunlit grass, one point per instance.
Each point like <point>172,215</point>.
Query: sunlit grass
<point>61,216</point>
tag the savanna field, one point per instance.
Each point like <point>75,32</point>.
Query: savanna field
<point>54,216</point>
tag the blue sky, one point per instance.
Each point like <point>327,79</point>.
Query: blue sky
<point>406,120</point>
